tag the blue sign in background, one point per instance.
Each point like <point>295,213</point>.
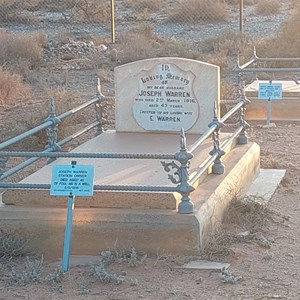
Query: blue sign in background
<point>272,91</point>
<point>75,180</point>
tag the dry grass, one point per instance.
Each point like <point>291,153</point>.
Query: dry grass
<point>286,43</point>
<point>91,11</point>
<point>142,42</point>
<point>21,47</point>
<point>12,88</point>
<point>142,5</point>
<point>223,49</point>
<point>237,2</point>
<point>231,43</point>
<point>268,7</point>
<point>10,11</point>
<point>194,11</point>
<point>94,11</point>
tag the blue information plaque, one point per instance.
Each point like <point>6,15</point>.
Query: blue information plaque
<point>75,180</point>
<point>270,91</point>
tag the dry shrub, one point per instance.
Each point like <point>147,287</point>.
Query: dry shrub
<point>237,2</point>
<point>142,42</point>
<point>228,44</point>
<point>19,47</point>
<point>13,11</point>
<point>230,41</point>
<point>249,213</point>
<point>142,5</point>
<point>91,11</point>
<point>267,7</point>
<point>64,101</point>
<point>12,88</point>
<point>218,58</point>
<point>194,11</point>
<point>286,43</point>
<point>49,5</point>
<point>228,91</point>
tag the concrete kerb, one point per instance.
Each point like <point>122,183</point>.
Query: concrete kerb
<point>96,229</point>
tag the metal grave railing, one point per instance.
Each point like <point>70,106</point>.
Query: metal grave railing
<point>178,163</point>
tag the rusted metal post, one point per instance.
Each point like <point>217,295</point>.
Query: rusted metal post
<point>241,14</point>
<point>112,6</point>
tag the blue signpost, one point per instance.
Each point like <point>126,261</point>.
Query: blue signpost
<point>269,91</point>
<point>71,180</point>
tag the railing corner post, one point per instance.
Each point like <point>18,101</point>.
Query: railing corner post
<point>186,206</point>
<point>99,108</point>
<point>243,137</point>
<point>52,130</point>
<point>218,167</point>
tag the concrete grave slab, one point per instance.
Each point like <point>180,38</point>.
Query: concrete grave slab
<point>204,265</point>
<point>166,94</point>
<point>96,229</point>
<point>288,108</point>
<point>265,185</point>
<point>118,172</point>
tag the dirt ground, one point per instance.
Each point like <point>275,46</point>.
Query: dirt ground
<point>262,247</point>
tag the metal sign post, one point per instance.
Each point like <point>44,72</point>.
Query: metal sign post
<point>269,91</point>
<point>71,180</point>
<point>68,234</point>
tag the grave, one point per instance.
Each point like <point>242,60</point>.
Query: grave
<point>288,108</point>
<point>155,98</point>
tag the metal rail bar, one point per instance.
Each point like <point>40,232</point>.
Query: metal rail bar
<point>46,124</point>
<point>232,111</point>
<point>31,160</point>
<point>277,59</point>
<point>256,70</point>
<point>25,134</point>
<point>42,186</point>
<point>209,161</point>
<point>247,64</point>
<point>78,133</point>
<point>78,108</point>
<point>86,155</point>
<point>203,137</point>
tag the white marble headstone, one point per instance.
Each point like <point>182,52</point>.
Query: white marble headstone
<point>166,94</point>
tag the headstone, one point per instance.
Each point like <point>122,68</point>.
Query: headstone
<point>166,94</point>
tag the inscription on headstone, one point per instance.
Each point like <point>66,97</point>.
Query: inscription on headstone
<point>165,99</point>
<point>166,94</point>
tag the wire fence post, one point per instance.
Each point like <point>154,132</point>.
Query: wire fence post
<point>112,6</point>
<point>241,15</point>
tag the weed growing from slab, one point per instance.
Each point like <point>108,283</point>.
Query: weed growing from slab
<point>31,273</point>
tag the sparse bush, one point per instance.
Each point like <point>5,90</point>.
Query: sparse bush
<point>12,88</point>
<point>284,44</point>
<point>227,46</point>
<point>231,43</point>
<point>13,244</point>
<point>56,279</point>
<point>142,42</point>
<point>31,273</point>
<point>92,11</point>
<point>99,272</point>
<point>11,11</point>
<point>228,91</point>
<point>16,47</point>
<point>268,7</point>
<point>194,11</point>
<point>141,5</point>
<point>237,2</point>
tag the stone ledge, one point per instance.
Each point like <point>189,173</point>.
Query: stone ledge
<point>95,229</point>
